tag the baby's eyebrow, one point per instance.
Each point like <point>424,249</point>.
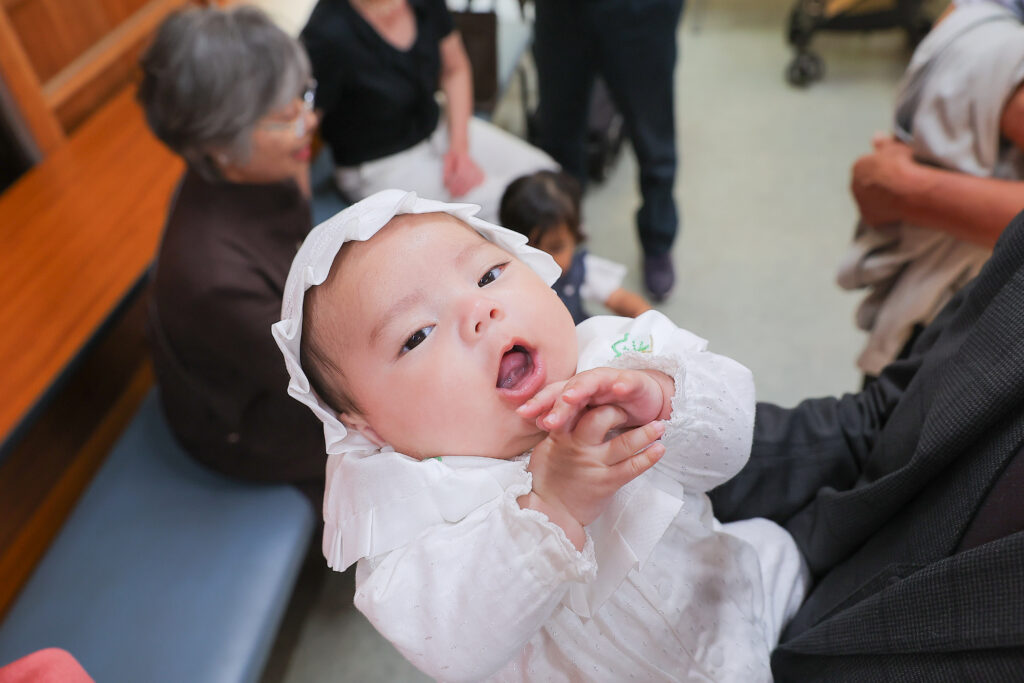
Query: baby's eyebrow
<point>467,252</point>
<point>392,312</point>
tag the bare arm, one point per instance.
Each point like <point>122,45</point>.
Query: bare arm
<point>626,303</point>
<point>461,174</point>
<point>888,185</point>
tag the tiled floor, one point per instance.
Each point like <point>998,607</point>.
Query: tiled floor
<point>767,215</point>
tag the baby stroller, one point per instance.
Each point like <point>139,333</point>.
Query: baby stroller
<point>811,16</point>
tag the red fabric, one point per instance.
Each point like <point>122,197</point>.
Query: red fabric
<point>51,665</point>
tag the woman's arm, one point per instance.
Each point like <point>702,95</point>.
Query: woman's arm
<point>461,174</point>
<point>821,443</point>
<point>888,186</point>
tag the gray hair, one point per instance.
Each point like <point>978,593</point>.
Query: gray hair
<point>211,74</point>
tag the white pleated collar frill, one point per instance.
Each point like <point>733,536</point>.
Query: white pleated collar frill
<point>379,500</point>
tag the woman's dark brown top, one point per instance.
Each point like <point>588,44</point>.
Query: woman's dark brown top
<point>218,282</point>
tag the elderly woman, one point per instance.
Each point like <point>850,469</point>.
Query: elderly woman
<point>232,94</point>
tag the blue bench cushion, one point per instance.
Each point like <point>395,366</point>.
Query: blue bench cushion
<point>165,570</point>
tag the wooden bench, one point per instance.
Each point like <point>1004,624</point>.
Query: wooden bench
<point>163,571</point>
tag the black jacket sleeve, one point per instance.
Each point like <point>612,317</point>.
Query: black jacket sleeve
<point>820,443</point>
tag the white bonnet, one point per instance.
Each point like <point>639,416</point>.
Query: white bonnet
<point>312,264</point>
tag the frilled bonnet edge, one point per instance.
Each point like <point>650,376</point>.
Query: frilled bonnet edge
<point>313,262</point>
<point>358,521</point>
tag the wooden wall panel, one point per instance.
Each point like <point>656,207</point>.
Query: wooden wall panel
<point>26,90</point>
<point>54,33</point>
<point>74,111</point>
<point>63,59</point>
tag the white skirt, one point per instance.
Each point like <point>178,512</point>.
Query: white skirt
<point>503,157</point>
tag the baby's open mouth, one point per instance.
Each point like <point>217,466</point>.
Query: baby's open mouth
<point>516,366</point>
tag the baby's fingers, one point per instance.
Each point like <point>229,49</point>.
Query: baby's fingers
<point>640,450</point>
<point>574,397</point>
<point>629,444</point>
<point>541,401</point>
<point>595,424</point>
<point>635,465</point>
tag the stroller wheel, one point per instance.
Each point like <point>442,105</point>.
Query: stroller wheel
<point>805,68</point>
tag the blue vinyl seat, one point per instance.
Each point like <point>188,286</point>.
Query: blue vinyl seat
<point>165,570</point>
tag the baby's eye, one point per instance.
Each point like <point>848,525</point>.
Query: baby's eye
<point>416,339</point>
<point>491,275</point>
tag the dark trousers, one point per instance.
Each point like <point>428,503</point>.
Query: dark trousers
<point>632,45</point>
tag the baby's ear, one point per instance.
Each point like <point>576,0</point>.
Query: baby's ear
<point>359,423</point>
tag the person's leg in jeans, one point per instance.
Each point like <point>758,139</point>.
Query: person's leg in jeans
<point>562,49</point>
<point>636,53</point>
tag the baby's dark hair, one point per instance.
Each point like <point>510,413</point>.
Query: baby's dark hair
<point>325,376</point>
<point>541,201</point>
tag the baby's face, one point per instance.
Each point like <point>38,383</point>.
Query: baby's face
<point>441,335</point>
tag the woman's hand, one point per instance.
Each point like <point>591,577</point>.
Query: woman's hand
<point>576,472</point>
<point>461,174</point>
<point>643,396</point>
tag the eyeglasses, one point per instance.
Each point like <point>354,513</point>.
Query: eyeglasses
<point>297,124</point>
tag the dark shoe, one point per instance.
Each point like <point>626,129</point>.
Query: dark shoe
<point>659,275</point>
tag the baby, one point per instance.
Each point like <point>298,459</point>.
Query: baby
<point>525,499</point>
<point>545,206</point>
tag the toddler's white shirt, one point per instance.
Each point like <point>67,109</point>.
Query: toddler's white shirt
<point>601,278</point>
<point>469,586</point>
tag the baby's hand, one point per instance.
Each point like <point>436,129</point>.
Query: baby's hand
<point>575,473</point>
<point>644,395</point>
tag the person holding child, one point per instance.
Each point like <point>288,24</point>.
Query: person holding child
<point>545,207</point>
<point>524,498</point>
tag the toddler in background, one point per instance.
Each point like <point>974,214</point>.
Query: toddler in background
<point>545,207</point>
<point>525,498</point>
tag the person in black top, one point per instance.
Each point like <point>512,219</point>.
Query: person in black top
<point>379,65</point>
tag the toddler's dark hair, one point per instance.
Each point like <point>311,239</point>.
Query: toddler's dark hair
<point>538,202</point>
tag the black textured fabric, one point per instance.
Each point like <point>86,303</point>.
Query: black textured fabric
<point>1002,513</point>
<point>878,489</point>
